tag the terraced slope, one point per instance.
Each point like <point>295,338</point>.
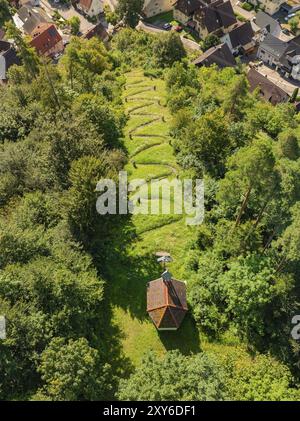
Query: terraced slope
<point>150,158</point>
<point>132,263</point>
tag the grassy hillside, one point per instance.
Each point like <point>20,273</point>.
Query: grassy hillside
<point>151,158</point>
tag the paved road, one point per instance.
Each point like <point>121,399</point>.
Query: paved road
<point>67,13</point>
<point>192,45</point>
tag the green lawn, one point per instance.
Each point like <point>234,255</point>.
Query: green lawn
<point>168,17</point>
<point>150,158</point>
<point>161,18</point>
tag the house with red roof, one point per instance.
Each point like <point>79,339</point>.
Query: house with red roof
<point>166,302</point>
<point>47,40</point>
<point>90,7</point>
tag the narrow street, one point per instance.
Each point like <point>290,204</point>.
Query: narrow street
<point>188,43</point>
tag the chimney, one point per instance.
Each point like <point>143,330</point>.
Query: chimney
<point>166,275</point>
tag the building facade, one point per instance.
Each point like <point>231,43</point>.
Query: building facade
<point>90,8</point>
<point>155,7</point>
<point>269,6</point>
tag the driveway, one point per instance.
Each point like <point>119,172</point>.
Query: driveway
<point>287,85</point>
<point>66,13</point>
<point>147,27</point>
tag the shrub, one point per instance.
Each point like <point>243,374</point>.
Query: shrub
<point>247,6</point>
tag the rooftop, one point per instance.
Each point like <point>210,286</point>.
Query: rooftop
<point>8,52</point>
<point>166,302</point>
<point>187,7</point>
<point>263,20</point>
<point>242,34</point>
<point>31,17</point>
<point>216,15</point>
<point>220,55</point>
<point>44,37</point>
<point>85,4</point>
<point>268,90</point>
<point>274,45</point>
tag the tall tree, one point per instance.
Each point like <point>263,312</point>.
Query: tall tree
<point>209,41</point>
<point>176,377</point>
<point>27,53</point>
<point>5,14</point>
<point>130,11</point>
<point>72,370</point>
<point>251,173</point>
<point>167,49</point>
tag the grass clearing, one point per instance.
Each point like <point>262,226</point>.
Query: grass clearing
<point>133,263</point>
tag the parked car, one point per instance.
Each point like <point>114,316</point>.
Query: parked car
<point>167,26</point>
<point>290,16</point>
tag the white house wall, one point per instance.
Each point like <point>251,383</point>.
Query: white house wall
<point>96,8</point>
<point>296,72</point>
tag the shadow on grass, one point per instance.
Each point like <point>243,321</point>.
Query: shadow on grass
<point>111,348</point>
<point>129,276</point>
<point>186,339</point>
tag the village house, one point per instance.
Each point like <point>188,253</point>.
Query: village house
<point>8,57</point>
<point>27,18</point>
<point>284,56</point>
<point>214,18</point>
<point>90,7</point>
<point>206,17</point>
<point>154,7</point>
<point>271,50</point>
<point>98,31</point>
<point>166,302</point>
<point>267,25</point>
<point>269,6</point>
<point>47,40</point>
<point>290,60</point>
<point>267,89</point>
<point>240,38</point>
<point>219,55</point>
<point>184,10</point>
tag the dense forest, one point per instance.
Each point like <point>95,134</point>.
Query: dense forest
<point>61,131</point>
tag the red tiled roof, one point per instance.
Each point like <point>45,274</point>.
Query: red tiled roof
<point>85,4</point>
<point>44,37</point>
<point>166,302</point>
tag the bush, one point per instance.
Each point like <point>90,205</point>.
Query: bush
<point>247,6</point>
